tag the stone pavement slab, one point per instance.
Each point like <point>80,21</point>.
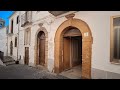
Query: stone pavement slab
<point>19,71</point>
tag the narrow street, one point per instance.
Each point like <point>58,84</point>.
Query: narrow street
<point>18,71</point>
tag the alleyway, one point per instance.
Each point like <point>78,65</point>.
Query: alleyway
<point>18,71</point>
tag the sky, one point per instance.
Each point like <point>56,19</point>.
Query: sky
<point>5,15</point>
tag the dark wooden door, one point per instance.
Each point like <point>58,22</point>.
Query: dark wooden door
<point>66,53</point>
<point>42,49</point>
<point>76,51</point>
<point>11,48</point>
<point>26,61</point>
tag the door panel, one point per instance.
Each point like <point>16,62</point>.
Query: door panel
<point>11,48</point>
<point>76,51</point>
<point>80,48</point>
<point>66,53</point>
<point>26,55</point>
<point>42,50</point>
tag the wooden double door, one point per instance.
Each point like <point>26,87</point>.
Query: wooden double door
<point>72,51</point>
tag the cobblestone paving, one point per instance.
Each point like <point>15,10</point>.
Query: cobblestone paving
<point>19,71</point>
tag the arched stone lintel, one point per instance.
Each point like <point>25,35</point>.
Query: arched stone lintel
<point>87,41</point>
<point>46,45</point>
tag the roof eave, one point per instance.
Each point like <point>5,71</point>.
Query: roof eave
<point>12,14</point>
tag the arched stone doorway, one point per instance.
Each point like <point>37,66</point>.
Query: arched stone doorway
<point>41,47</point>
<point>86,45</point>
<point>11,48</point>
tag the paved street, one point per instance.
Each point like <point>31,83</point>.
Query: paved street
<point>19,71</point>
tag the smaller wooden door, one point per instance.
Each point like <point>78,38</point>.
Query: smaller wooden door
<point>42,49</point>
<point>11,48</point>
<point>26,61</point>
<point>66,53</point>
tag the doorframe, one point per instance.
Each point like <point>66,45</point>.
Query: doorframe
<point>87,41</point>
<point>36,46</point>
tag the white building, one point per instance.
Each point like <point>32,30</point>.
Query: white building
<point>60,40</point>
<point>13,35</point>
<point>3,37</point>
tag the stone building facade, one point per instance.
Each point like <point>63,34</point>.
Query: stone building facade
<point>60,40</point>
<point>13,35</point>
<point>3,37</point>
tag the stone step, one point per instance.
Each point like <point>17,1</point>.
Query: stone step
<point>8,59</point>
<point>5,61</point>
<point>10,63</point>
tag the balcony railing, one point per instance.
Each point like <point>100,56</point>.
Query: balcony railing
<point>26,18</point>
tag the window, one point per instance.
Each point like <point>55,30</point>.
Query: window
<point>17,19</point>
<point>15,41</point>
<point>12,26</point>
<point>1,24</point>
<point>115,40</point>
<point>27,37</point>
